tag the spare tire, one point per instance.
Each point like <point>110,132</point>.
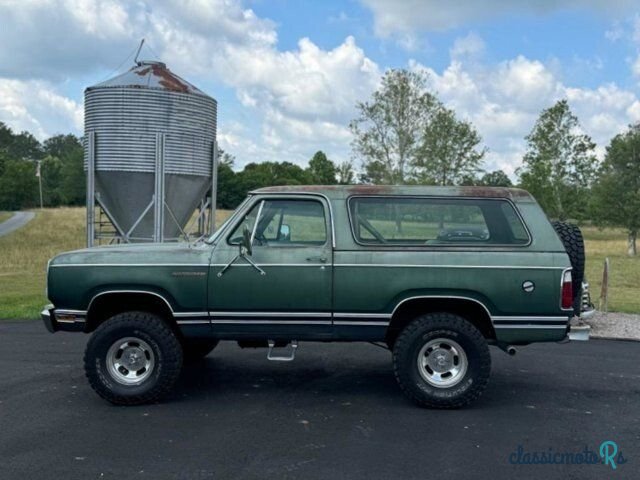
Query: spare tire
<point>573,242</point>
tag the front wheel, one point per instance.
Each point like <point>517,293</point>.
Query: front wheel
<point>441,360</point>
<point>133,358</point>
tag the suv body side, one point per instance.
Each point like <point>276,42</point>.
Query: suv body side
<point>338,289</point>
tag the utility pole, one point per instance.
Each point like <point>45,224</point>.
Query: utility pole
<point>39,175</point>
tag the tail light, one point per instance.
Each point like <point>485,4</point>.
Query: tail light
<point>567,290</point>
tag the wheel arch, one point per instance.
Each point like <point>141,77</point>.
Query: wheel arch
<point>107,303</point>
<point>472,309</point>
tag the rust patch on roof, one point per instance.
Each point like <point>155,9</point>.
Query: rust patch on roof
<point>165,78</point>
<point>493,192</point>
<point>400,190</point>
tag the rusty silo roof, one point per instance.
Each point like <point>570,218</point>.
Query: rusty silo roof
<point>153,75</point>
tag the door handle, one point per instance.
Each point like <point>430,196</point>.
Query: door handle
<point>317,259</point>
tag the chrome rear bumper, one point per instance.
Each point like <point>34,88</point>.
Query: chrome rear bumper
<point>579,333</point>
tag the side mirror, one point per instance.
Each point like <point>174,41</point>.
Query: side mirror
<point>285,233</point>
<point>245,243</point>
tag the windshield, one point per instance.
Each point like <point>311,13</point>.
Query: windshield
<point>215,236</point>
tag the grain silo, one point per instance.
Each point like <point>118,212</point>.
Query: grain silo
<point>150,154</point>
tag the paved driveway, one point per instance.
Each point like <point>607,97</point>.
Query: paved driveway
<point>335,413</point>
<point>18,220</point>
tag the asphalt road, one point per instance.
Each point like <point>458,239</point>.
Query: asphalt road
<point>18,220</point>
<point>334,413</point>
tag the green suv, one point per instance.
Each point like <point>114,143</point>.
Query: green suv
<point>434,274</point>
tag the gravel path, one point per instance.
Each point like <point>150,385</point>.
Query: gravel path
<point>18,220</point>
<point>615,325</point>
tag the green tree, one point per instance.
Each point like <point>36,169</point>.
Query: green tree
<point>18,185</point>
<point>345,174</point>
<point>616,193</point>
<point>388,131</point>
<point>449,153</point>
<point>230,190</point>
<point>560,164</point>
<point>257,175</point>
<point>62,146</point>
<point>497,178</point>
<point>6,136</point>
<point>51,171</point>
<point>3,160</point>
<point>73,183</point>
<point>24,146</point>
<point>322,171</point>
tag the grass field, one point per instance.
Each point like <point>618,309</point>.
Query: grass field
<point>5,216</point>
<point>24,254</point>
<point>624,273</point>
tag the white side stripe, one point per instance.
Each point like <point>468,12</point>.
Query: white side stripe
<point>393,265</point>
<point>273,322</point>
<point>272,314</point>
<point>526,327</point>
<point>368,324</point>
<point>531,319</point>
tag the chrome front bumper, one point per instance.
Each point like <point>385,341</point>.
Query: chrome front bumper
<point>60,320</point>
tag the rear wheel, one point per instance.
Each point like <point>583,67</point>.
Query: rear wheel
<point>441,361</point>
<point>133,358</point>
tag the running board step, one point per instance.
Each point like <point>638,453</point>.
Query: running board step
<point>275,358</point>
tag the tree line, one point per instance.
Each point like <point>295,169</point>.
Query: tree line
<point>403,134</point>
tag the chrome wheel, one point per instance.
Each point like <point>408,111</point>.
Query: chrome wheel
<point>130,361</point>
<point>442,363</point>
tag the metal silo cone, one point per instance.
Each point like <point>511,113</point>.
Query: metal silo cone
<point>150,154</point>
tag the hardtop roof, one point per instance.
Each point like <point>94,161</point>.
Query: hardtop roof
<point>345,191</point>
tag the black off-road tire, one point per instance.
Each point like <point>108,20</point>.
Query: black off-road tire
<point>158,336</point>
<point>196,349</point>
<point>573,242</point>
<point>441,326</point>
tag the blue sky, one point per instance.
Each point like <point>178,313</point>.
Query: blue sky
<point>565,35</point>
<point>287,74</point>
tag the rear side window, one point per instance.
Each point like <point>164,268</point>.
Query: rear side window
<point>420,221</point>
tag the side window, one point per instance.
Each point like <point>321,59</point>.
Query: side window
<point>248,221</point>
<point>435,221</point>
<point>285,223</point>
<point>518,232</point>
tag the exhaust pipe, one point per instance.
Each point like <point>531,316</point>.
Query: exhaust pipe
<point>508,349</point>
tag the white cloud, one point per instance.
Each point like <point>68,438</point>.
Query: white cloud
<point>615,32</point>
<point>303,98</point>
<point>36,107</point>
<point>470,45</point>
<point>504,101</point>
<point>56,39</point>
<point>635,67</point>
<point>392,16</point>
<point>294,101</point>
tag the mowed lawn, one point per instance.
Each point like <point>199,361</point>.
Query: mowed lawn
<point>5,216</point>
<point>624,272</point>
<point>24,254</point>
